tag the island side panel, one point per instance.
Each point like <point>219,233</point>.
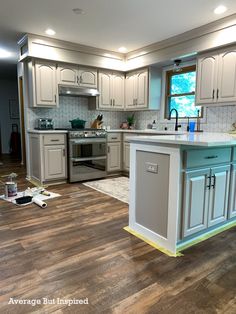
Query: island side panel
<point>158,235</point>
<point>152,191</point>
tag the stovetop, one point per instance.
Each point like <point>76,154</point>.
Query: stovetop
<point>85,133</point>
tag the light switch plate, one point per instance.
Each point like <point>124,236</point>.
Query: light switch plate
<point>151,167</point>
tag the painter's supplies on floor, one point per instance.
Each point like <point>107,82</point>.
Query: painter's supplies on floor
<point>10,185</point>
<point>23,200</point>
<point>38,202</point>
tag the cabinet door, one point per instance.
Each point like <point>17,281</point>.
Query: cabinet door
<point>114,157</point>
<point>130,91</point>
<point>142,89</point>
<point>105,88</point>
<point>219,192</point>
<point>206,90</point>
<point>54,162</point>
<point>227,77</point>
<point>87,77</point>
<point>126,156</point>
<point>67,76</point>
<point>118,91</point>
<point>196,200</point>
<point>46,87</point>
<point>232,196</point>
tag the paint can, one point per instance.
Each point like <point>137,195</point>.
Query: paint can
<point>10,189</point>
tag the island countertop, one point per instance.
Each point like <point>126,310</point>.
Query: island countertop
<point>193,139</point>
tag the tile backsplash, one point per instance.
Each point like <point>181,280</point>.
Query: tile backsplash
<point>218,119</point>
<point>71,108</point>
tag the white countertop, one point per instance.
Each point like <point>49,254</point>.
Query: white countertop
<point>193,139</point>
<point>47,131</point>
<point>147,131</point>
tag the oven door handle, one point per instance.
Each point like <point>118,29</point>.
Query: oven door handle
<point>88,141</point>
<point>89,158</point>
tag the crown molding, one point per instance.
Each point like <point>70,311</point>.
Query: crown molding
<point>195,33</point>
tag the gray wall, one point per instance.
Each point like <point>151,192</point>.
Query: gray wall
<point>8,90</point>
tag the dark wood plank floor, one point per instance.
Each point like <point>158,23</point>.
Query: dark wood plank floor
<point>77,248</point>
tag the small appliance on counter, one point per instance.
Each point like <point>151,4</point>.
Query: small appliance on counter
<point>44,124</point>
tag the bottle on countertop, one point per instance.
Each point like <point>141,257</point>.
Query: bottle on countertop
<point>154,125</point>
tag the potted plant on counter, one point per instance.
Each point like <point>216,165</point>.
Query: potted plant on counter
<point>130,121</point>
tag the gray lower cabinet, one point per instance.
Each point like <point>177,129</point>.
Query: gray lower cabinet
<point>126,156</point>
<point>232,198</point>
<point>54,162</point>
<point>205,200</point>
<point>48,161</point>
<point>113,156</point>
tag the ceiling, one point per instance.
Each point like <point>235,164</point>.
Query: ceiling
<point>107,24</point>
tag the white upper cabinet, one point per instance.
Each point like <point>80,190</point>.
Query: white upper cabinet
<point>216,78</point>
<point>67,76</point>
<point>105,88</point>
<point>206,79</point>
<point>130,88</point>
<point>87,77</point>
<point>136,90</point>
<point>118,89</point>
<point>45,84</point>
<point>77,76</point>
<point>142,89</point>
<point>111,87</point>
<point>227,76</point>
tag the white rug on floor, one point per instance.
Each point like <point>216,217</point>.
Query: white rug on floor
<point>114,187</point>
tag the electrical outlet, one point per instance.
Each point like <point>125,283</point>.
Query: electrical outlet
<point>150,167</point>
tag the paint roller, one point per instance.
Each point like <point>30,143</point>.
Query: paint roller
<point>39,202</point>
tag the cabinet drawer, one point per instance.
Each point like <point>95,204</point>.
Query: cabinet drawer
<point>207,157</point>
<point>234,154</point>
<point>114,137</point>
<point>53,139</point>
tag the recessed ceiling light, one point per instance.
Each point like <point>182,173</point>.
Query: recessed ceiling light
<point>4,54</point>
<point>50,32</point>
<point>122,49</point>
<point>78,11</point>
<point>220,9</point>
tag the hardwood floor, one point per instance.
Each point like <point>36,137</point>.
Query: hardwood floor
<point>77,248</point>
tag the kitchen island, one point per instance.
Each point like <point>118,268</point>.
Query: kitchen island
<point>182,188</point>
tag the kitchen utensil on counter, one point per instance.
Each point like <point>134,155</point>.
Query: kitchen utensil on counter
<point>97,123</point>
<point>77,123</point>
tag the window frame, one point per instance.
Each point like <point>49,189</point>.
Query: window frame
<point>168,75</point>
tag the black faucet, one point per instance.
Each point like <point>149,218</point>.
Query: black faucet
<point>177,125</point>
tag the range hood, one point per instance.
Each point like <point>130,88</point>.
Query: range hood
<point>77,91</point>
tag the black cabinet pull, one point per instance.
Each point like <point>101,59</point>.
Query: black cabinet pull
<point>214,181</point>
<point>213,94</point>
<point>209,183</point>
<point>217,94</point>
<point>211,157</point>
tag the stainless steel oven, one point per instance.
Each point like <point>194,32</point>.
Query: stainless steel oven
<point>87,155</point>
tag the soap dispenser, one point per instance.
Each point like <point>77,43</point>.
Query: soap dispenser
<point>154,125</point>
